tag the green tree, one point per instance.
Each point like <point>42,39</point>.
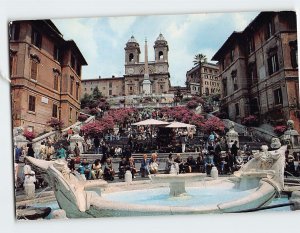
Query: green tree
<point>199,59</point>
<point>85,100</point>
<point>96,93</point>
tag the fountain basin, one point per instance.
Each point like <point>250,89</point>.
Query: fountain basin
<point>177,181</point>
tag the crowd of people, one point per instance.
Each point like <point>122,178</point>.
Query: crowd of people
<point>227,157</point>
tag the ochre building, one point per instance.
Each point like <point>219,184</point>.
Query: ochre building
<point>131,83</point>
<point>259,70</point>
<point>45,72</point>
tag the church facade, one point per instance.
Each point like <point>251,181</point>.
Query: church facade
<point>140,78</point>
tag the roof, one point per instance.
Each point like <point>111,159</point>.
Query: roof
<point>227,44</point>
<point>206,64</point>
<point>132,40</point>
<point>160,37</point>
<point>71,44</point>
<point>101,79</point>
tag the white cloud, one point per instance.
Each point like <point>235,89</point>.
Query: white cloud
<point>82,32</point>
<point>120,25</point>
<point>241,20</point>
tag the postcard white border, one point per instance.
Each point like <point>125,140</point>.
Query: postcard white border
<point>32,9</point>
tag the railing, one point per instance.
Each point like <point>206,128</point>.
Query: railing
<point>255,131</point>
<point>55,132</point>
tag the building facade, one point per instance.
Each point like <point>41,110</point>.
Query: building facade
<point>109,87</point>
<point>45,72</point>
<point>157,72</point>
<point>205,81</point>
<point>259,70</point>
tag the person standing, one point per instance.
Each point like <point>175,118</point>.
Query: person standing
<point>234,149</point>
<point>70,133</point>
<point>18,154</point>
<point>30,151</point>
<point>183,143</point>
<point>61,152</point>
<point>96,144</point>
<point>49,151</point>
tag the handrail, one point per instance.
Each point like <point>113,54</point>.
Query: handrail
<point>78,123</point>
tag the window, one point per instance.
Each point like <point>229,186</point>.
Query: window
<point>252,73</point>
<point>110,92</point>
<point>71,85</point>
<point>131,56</point>
<point>254,106</point>
<point>234,80</point>
<point>160,55</point>
<point>232,55</point>
<point>36,38</point>
<point>56,54</point>
<point>251,45</point>
<point>70,114</point>
<point>55,86</point>
<point>110,84</point>
<point>237,109</point>
<point>278,96</point>
<point>273,64</point>
<point>223,64</point>
<point>78,69</point>
<point>130,88</point>
<point>77,90</point>
<point>33,69</point>
<point>54,110</point>
<point>73,61</point>
<point>270,29</point>
<point>207,91</point>
<point>294,53</point>
<point>31,105</point>
<point>11,65</point>
<point>161,87</point>
<point>15,31</point>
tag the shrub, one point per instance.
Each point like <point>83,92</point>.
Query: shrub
<point>82,117</point>
<point>192,104</point>
<point>250,120</point>
<point>55,123</point>
<point>221,115</point>
<point>29,135</point>
<point>213,124</point>
<point>279,129</point>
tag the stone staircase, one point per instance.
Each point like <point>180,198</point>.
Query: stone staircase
<point>138,157</point>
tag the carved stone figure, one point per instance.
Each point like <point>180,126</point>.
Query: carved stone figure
<point>232,135</point>
<point>76,138</point>
<point>275,143</point>
<point>290,124</point>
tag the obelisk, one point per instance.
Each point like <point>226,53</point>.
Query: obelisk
<point>146,81</point>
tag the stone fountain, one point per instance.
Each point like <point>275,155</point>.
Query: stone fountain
<point>263,176</point>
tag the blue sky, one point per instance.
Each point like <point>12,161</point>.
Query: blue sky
<point>102,40</point>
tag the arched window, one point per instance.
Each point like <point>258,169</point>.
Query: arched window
<point>160,55</point>
<point>131,56</point>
